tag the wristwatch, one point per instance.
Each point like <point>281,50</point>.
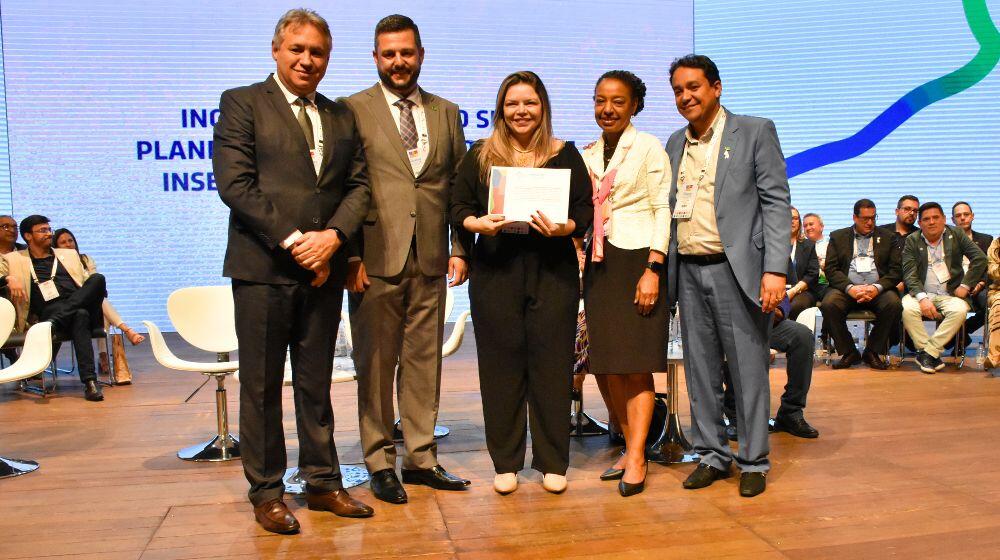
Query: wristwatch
<point>655,266</point>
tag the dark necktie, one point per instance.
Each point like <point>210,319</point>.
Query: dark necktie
<point>407,126</point>
<point>304,122</point>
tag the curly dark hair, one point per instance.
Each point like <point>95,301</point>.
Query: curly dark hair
<point>633,82</point>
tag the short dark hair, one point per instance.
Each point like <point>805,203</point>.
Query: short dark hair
<point>633,82</point>
<point>30,222</point>
<point>396,23</point>
<point>862,204</point>
<point>953,206</point>
<point>929,206</point>
<point>904,198</point>
<point>61,232</point>
<point>699,61</point>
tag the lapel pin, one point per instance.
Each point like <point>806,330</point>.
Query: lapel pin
<point>725,152</point>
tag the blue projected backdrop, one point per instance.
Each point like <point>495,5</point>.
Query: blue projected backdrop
<point>106,107</point>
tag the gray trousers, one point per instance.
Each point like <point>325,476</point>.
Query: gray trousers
<point>397,326</point>
<point>718,321</point>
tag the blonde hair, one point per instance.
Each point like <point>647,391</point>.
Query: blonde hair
<point>497,149</point>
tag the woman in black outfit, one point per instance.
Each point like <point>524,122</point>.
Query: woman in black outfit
<point>523,288</point>
<point>803,271</point>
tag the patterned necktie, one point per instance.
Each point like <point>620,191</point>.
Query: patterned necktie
<point>407,126</point>
<point>304,122</point>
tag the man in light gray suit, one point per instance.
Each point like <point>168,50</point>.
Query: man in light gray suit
<point>413,142</point>
<point>728,256</point>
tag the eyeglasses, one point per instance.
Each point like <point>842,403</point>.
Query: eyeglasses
<point>42,231</point>
<point>864,219</point>
<point>907,210</point>
<point>7,227</point>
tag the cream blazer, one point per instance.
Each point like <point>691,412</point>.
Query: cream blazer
<point>18,264</point>
<point>640,205</point>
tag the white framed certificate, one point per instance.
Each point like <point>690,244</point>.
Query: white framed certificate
<point>519,192</point>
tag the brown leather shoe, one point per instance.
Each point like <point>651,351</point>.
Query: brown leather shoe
<point>338,502</point>
<point>274,516</point>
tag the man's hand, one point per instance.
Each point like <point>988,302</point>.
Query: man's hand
<point>16,289</point>
<point>772,290</point>
<point>543,225</point>
<point>900,287</point>
<point>357,277</point>
<point>322,274</point>
<point>489,224</point>
<point>928,310</point>
<point>961,291</point>
<point>458,271</point>
<point>977,288</point>
<point>647,292</point>
<point>868,293</point>
<point>315,248</point>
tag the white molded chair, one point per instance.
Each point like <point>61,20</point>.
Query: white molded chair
<point>205,319</point>
<point>34,359</point>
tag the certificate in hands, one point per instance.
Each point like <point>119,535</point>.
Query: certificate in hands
<point>519,192</point>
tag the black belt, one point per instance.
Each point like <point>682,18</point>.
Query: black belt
<point>702,260</point>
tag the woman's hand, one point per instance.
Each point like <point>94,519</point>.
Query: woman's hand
<point>647,292</point>
<point>489,224</point>
<point>543,225</point>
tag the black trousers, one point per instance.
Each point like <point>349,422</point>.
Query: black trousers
<point>524,306</point>
<point>270,319</point>
<point>796,341</point>
<point>76,316</point>
<point>888,309</point>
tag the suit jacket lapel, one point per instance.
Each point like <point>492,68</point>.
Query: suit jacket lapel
<point>380,111</point>
<point>284,111</point>
<point>729,141</point>
<point>434,117</point>
<point>323,105</point>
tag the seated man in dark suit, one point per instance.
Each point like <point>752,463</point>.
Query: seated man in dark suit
<point>863,270</point>
<point>937,284</point>
<point>906,217</point>
<point>962,216</point>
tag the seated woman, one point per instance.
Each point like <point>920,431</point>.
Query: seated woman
<point>803,271</point>
<point>64,239</point>
<point>992,363</point>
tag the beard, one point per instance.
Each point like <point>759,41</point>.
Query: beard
<point>406,87</point>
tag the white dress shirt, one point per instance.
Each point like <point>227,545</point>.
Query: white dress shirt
<point>317,127</point>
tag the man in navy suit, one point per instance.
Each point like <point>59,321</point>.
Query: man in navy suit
<point>728,257</point>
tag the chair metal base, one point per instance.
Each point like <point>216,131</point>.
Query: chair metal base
<point>397,432</point>
<point>219,449</point>
<point>16,467</point>
<point>584,425</point>
<point>350,476</point>
<point>672,448</point>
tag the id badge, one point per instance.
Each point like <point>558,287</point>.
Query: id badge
<point>684,205</point>
<point>864,264</point>
<point>49,290</point>
<point>941,272</point>
<point>965,264</point>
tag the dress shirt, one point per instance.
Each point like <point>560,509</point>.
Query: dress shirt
<point>699,235</point>
<point>419,119</point>
<point>863,247</point>
<point>317,127</point>
<point>935,254</point>
<point>640,195</point>
<point>821,247</point>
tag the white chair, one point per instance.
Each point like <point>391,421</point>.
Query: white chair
<point>34,359</point>
<point>204,317</point>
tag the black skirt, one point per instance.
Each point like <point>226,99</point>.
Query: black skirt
<point>621,340</point>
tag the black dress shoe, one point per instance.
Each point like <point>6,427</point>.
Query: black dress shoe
<point>847,361</point>
<point>704,476</point>
<point>798,427</point>
<point>752,483</point>
<point>874,361</point>
<point>92,391</point>
<point>387,488</point>
<point>435,477</point>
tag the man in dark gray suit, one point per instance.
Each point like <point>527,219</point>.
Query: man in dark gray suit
<point>290,166</point>
<point>413,142</point>
<point>728,255</point>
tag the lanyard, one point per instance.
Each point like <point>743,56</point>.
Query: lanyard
<point>713,148</point>
<point>870,252</point>
<point>55,266</point>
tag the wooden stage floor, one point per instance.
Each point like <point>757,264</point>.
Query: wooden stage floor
<point>906,466</point>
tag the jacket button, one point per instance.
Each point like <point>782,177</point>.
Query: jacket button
<point>318,191</point>
<point>413,214</point>
<point>315,220</point>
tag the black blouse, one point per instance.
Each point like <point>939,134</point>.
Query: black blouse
<point>469,193</point>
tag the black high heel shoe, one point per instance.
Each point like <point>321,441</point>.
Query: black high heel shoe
<point>627,489</point>
<point>612,473</point>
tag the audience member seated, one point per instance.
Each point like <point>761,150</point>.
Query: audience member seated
<point>54,286</point>
<point>796,341</point>
<point>803,270</point>
<point>906,216</point>
<point>812,225</point>
<point>992,362</point>
<point>937,285</point>
<point>962,217</point>
<point>8,235</point>
<point>863,270</point>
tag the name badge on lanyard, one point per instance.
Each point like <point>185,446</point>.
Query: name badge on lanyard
<point>687,191</point>
<point>48,288</point>
<point>941,271</point>
<point>864,263</point>
<point>684,206</point>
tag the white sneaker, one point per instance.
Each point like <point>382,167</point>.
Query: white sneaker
<point>505,483</point>
<point>555,483</point>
